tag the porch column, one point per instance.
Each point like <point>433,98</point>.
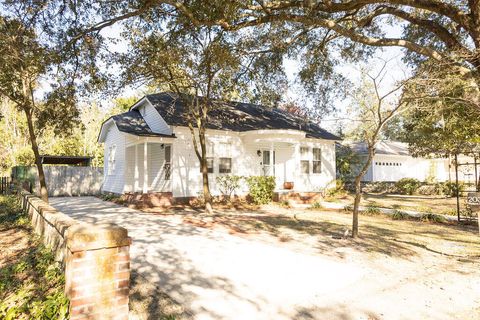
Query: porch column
<point>272,163</point>
<point>145,168</point>
<point>136,174</point>
<point>296,158</point>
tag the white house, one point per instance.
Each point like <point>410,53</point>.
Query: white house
<point>150,149</point>
<point>393,161</point>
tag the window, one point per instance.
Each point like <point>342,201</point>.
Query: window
<point>304,160</point>
<point>304,152</point>
<point>225,165</point>
<point>317,160</point>
<point>305,165</point>
<point>209,165</point>
<point>111,159</point>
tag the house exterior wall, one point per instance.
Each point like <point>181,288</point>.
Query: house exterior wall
<point>187,179</point>
<point>114,180</point>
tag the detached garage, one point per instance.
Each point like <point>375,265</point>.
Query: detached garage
<point>393,162</point>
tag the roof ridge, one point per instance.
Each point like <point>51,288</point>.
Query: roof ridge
<point>255,116</point>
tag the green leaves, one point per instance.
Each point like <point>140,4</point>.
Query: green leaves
<point>261,188</point>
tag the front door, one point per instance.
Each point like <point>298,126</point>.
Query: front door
<point>268,164</point>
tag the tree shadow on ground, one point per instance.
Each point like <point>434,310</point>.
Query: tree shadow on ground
<point>379,234</point>
<point>147,301</point>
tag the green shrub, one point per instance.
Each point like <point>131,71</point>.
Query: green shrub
<point>228,184</point>
<point>449,188</point>
<point>429,190</point>
<point>316,205</point>
<point>407,185</point>
<point>285,203</point>
<point>109,197</point>
<point>399,215</point>
<point>335,187</point>
<point>261,188</point>
<point>379,187</point>
<point>432,217</point>
<point>372,211</point>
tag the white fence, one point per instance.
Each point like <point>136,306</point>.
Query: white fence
<point>64,180</point>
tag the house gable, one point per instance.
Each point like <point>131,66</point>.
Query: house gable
<point>151,116</point>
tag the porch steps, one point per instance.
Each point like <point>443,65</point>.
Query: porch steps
<point>298,197</point>
<point>149,200</point>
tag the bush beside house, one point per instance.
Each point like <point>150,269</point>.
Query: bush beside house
<point>261,188</point>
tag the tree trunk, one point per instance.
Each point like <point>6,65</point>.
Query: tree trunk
<point>356,205</point>
<point>38,162</point>
<point>358,190</point>
<point>456,187</point>
<point>476,173</point>
<point>203,165</point>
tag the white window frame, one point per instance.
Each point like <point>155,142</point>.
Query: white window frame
<point>304,158</point>
<point>316,160</point>
<point>220,163</point>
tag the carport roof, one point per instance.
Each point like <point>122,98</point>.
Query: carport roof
<point>68,160</point>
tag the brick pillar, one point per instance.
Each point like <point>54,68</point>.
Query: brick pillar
<point>97,271</point>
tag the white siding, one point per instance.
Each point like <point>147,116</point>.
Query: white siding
<point>187,179</point>
<point>154,119</point>
<point>394,168</point>
<point>114,182</point>
<point>317,181</point>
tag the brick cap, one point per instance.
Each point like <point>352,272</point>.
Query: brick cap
<point>86,236</point>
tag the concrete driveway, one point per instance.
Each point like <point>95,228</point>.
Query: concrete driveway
<point>215,275</point>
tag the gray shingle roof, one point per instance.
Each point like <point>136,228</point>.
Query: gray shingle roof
<point>132,122</point>
<point>237,116</point>
<point>383,147</point>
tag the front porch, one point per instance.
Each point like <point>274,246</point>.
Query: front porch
<point>148,165</point>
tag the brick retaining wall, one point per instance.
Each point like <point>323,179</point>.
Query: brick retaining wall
<point>95,257</point>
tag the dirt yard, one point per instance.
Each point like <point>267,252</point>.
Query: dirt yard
<point>436,204</point>
<point>408,263</point>
<point>301,265</point>
<point>31,282</point>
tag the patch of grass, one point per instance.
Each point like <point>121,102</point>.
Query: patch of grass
<point>316,205</point>
<point>371,211</point>
<point>424,209</point>
<point>31,283</point>
<point>432,217</point>
<point>449,212</point>
<point>10,213</point>
<point>348,208</point>
<point>109,197</point>
<point>400,215</point>
<point>285,204</point>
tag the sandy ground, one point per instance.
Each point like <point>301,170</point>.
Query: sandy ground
<point>14,241</point>
<point>216,275</point>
